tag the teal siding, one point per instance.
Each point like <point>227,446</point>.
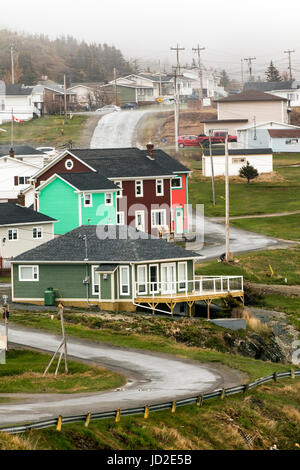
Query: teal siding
<point>99,213</point>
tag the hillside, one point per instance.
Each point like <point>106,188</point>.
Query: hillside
<point>37,55</point>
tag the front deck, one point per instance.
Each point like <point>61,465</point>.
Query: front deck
<point>205,288</point>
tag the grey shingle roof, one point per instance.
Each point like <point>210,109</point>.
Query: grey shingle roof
<point>123,245</point>
<point>17,89</point>
<point>11,213</point>
<point>129,162</point>
<point>19,150</point>
<point>239,152</point>
<point>88,181</point>
<point>250,95</point>
<point>268,86</point>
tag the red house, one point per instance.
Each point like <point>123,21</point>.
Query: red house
<point>153,185</point>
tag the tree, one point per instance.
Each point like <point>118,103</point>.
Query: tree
<point>249,172</point>
<point>273,74</point>
<point>224,79</point>
<point>29,73</point>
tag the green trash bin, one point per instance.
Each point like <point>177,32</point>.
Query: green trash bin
<point>49,297</point>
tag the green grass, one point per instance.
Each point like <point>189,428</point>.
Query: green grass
<point>287,304</point>
<point>283,159</point>
<point>46,131</point>
<point>268,415</point>
<point>286,227</point>
<point>23,372</point>
<point>5,279</point>
<point>151,342</point>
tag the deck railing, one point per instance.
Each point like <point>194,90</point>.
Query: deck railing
<point>200,285</point>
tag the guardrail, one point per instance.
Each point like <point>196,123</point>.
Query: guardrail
<point>199,399</point>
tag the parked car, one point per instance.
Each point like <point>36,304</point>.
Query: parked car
<point>109,108</point>
<point>188,141</point>
<point>129,106</point>
<point>168,101</point>
<point>51,151</point>
<point>218,137</point>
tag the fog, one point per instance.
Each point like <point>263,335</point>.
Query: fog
<point>229,30</point>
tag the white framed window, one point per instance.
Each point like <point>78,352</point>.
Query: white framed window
<point>291,141</point>
<point>108,199</point>
<point>88,200</point>
<point>140,220</point>
<point>239,160</point>
<point>37,232</point>
<point>158,218</point>
<point>154,278</point>
<point>124,280</point>
<point>13,234</point>
<point>69,164</point>
<point>120,218</point>
<point>182,275</point>
<point>120,185</point>
<point>28,273</point>
<point>95,281</point>
<point>139,190</point>
<point>159,187</point>
<point>142,279</point>
<point>176,182</point>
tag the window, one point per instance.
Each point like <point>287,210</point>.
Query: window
<point>159,187</point>
<point>140,220</point>
<point>13,234</point>
<point>95,280</point>
<point>291,141</point>
<point>239,160</point>
<point>28,273</point>
<point>120,185</point>
<point>18,180</point>
<point>158,218</point>
<point>37,232</point>
<point>153,278</point>
<point>139,188</point>
<point>108,199</point>
<point>176,182</point>
<point>120,218</point>
<point>69,164</point>
<point>124,280</point>
<point>142,279</point>
<point>182,275</point>
<point>88,200</point>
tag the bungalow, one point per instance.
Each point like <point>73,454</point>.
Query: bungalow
<point>289,89</point>
<point>259,136</point>
<point>21,229</point>
<point>261,159</point>
<point>19,99</point>
<point>76,199</point>
<point>116,268</point>
<point>285,140</point>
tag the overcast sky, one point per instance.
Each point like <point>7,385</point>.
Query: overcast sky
<point>146,29</point>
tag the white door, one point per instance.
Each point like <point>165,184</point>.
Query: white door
<point>179,221</point>
<point>168,279</point>
<point>140,220</point>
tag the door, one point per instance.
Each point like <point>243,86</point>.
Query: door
<point>140,220</point>
<point>179,227</point>
<point>168,279</point>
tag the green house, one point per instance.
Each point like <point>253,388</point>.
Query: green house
<point>78,199</point>
<point>117,268</point>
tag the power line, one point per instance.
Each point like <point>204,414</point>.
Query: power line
<point>198,49</point>
<point>250,60</point>
<point>289,52</point>
<point>177,49</point>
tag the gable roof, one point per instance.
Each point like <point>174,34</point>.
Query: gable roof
<point>250,95</point>
<point>88,181</point>
<point>269,86</point>
<point>282,133</point>
<point>14,214</point>
<point>271,124</point>
<point>20,150</point>
<point>121,246</point>
<point>221,152</point>
<point>17,89</point>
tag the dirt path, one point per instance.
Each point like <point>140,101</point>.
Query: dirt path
<point>274,289</point>
<point>88,131</point>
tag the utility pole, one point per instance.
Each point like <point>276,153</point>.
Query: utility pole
<point>254,125</point>
<point>160,85</point>
<point>12,64</point>
<point>250,60</point>
<point>176,110</point>
<point>115,86</point>
<point>242,72</point>
<point>198,49</point>
<point>227,228</point>
<point>63,344</point>
<point>65,96</point>
<point>177,49</point>
<point>289,52</point>
<point>212,169</point>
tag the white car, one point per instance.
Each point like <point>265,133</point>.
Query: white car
<point>51,151</point>
<point>109,108</point>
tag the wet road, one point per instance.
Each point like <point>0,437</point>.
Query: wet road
<point>152,378</point>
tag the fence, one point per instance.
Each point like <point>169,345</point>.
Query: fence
<point>199,399</point>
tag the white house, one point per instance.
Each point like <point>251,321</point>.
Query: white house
<point>289,90</point>
<point>258,136</point>
<point>285,140</point>
<point>17,100</point>
<point>21,229</point>
<point>261,159</point>
<point>25,153</point>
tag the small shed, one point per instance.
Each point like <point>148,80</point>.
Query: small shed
<point>261,159</point>
<point>285,140</point>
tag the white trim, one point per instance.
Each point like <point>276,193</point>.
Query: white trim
<point>50,179</point>
<point>142,226</point>
<point>116,182</point>
<point>28,223</point>
<point>141,186</point>
<point>122,214</point>
<point>69,160</point>
<point>113,261</point>
<point>20,161</point>
<point>94,267</point>
<point>37,229</point>
<point>154,211</point>
<point>162,187</point>
<point>29,266</point>
<point>79,210</point>
<point>111,203</point>
<point>91,199</point>
<point>12,239</point>
<point>144,267</point>
<point>157,281</point>
<point>121,268</point>
<point>183,263</point>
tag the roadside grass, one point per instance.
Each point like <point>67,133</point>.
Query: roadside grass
<point>263,417</point>
<point>279,303</point>
<point>23,372</point>
<point>151,342</point>
<point>255,267</point>
<point>5,279</point>
<point>283,159</point>
<point>286,227</point>
<point>46,131</point>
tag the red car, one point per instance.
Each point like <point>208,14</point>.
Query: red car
<point>218,137</point>
<point>188,141</point>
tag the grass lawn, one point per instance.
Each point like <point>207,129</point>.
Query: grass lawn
<point>255,267</point>
<point>5,279</point>
<point>287,304</point>
<point>266,416</point>
<point>286,227</point>
<point>46,131</point>
<point>23,372</point>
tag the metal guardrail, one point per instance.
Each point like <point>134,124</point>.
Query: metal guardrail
<point>199,399</point>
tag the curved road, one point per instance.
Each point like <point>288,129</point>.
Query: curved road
<point>152,378</point>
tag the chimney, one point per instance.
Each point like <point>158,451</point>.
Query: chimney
<point>12,153</point>
<point>150,150</point>
<point>21,199</point>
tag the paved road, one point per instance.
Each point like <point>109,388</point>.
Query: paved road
<point>152,378</point>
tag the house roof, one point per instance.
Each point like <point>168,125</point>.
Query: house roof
<point>12,214</point>
<point>221,152</point>
<point>250,95</point>
<point>224,120</point>
<point>282,133</point>
<point>17,89</point>
<point>20,150</point>
<point>269,86</point>
<point>271,124</point>
<point>112,244</point>
<point>106,268</point>
<point>88,181</point>
<point>129,162</point>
